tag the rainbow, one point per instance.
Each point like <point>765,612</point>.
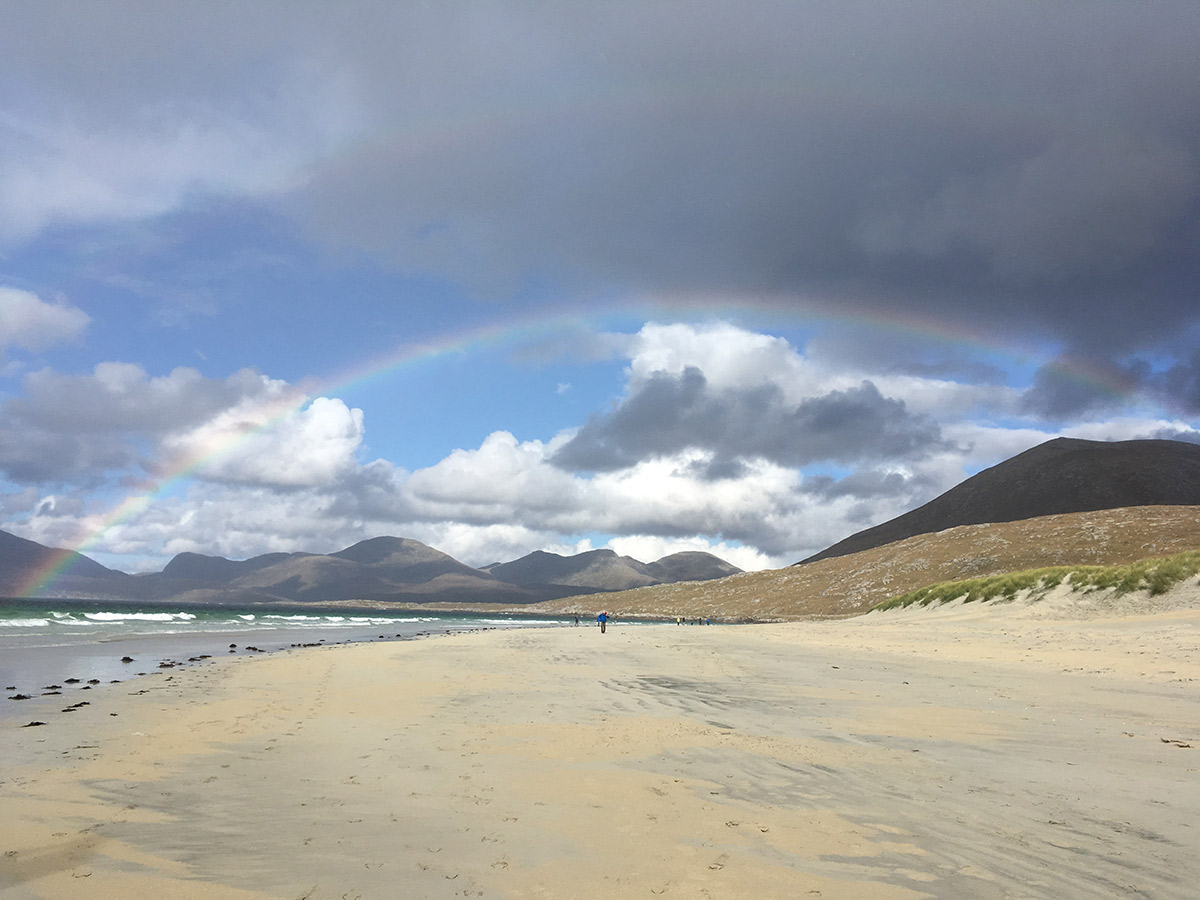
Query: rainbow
<point>410,355</point>
<point>449,127</point>
<point>527,329</point>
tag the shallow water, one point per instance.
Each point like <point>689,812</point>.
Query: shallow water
<point>59,645</point>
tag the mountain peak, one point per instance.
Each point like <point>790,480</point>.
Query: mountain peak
<point>382,549</point>
<point>1063,475</point>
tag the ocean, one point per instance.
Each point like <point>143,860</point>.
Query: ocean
<point>70,645</point>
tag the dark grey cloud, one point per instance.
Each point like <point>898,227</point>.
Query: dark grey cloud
<point>670,413</point>
<point>1066,389</point>
<point>865,484</point>
<point>878,348</point>
<point>719,469</point>
<point>1002,169</point>
<point>372,492</point>
<point>36,456</point>
<point>1181,383</point>
<point>1072,387</point>
<point>121,397</point>
<point>77,429</point>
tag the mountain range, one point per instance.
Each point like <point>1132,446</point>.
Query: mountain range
<point>1059,502</point>
<point>381,569</point>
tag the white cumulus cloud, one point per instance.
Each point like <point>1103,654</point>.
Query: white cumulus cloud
<point>258,443</point>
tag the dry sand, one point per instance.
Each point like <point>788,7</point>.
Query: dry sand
<point>970,752</point>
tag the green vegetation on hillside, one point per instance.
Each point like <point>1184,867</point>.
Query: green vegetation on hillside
<point>1155,575</point>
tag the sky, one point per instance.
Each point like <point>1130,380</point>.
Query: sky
<point>503,277</point>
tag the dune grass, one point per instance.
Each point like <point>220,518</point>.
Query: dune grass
<point>1156,575</point>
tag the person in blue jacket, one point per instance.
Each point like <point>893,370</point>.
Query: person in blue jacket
<point>603,620</point>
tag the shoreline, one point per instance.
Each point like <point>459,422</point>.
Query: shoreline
<point>76,654</point>
<point>974,752</point>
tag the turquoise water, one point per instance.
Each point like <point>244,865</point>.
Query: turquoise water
<point>24,622</point>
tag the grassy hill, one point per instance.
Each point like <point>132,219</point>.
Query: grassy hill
<point>852,584</point>
<point>1065,475</point>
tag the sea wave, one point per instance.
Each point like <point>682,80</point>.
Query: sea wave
<point>139,617</point>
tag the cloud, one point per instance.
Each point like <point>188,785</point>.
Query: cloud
<point>111,117</point>
<point>1064,389</point>
<point>18,503</point>
<point>28,322</point>
<point>1181,382</point>
<point>1176,433</point>
<point>982,166</point>
<point>503,478</point>
<point>731,358</point>
<point>666,497</point>
<point>1002,171</point>
<point>671,498</point>
<point>122,397</point>
<point>1083,206</point>
<point>669,413</point>
<point>648,548</point>
<point>81,429</point>
<point>253,443</point>
<point>865,484</point>
<point>720,437</point>
<point>236,521</point>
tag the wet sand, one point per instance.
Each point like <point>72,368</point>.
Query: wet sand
<point>967,753</point>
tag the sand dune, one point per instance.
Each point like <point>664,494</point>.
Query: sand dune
<point>1047,751</point>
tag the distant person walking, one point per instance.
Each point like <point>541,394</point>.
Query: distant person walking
<point>603,620</point>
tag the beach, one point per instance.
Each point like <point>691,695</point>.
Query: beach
<point>970,752</point>
<point>43,642</point>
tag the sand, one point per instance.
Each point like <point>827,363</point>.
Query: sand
<point>980,752</point>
